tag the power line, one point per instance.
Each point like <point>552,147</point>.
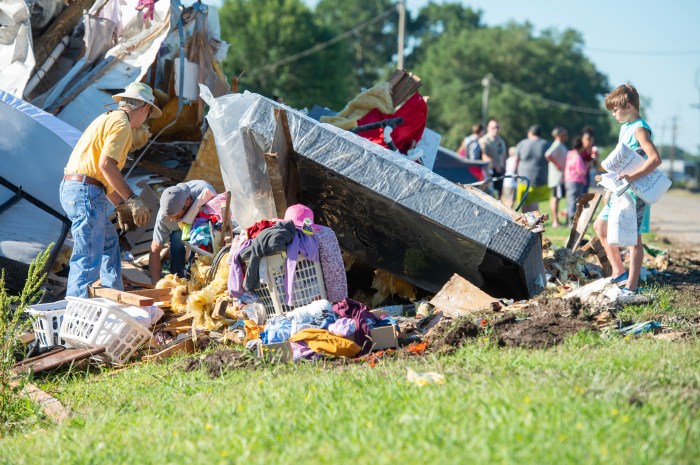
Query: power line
<point>550,102</point>
<point>644,52</point>
<point>328,43</point>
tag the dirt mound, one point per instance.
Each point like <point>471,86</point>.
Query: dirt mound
<point>218,362</point>
<point>447,338</point>
<point>569,308</point>
<point>539,332</point>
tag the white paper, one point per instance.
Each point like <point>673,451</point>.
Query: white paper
<point>624,160</point>
<point>622,222</point>
<point>610,182</point>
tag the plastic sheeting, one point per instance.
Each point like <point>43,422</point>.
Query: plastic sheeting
<point>16,54</point>
<point>387,211</point>
<point>130,59</point>
<point>33,158</point>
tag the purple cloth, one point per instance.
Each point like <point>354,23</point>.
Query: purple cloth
<point>334,277</point>
<point>308,247</point>
<point>348,308</point>
<point>302,351</point>
<point>235,274</point>
<point>343,327</point>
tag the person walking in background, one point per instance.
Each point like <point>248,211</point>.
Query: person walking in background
<point>589,152</point>
<point>493,150</point>
<point>470,148</point>
<point>533,165</point>
<point>575,175</point>
<point>556,156</point>
<point>509,183</point>
<point>637,135</point>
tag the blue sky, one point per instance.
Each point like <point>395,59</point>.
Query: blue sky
<point>668,80</point>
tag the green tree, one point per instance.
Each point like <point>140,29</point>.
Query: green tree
<point>531,73</point>
<point>371,49</point>
<point>265,32</point>
<point>436,20</point>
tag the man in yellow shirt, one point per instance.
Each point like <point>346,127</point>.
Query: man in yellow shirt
<point>92,177</point>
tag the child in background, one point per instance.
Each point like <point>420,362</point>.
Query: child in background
<point>637,135</point>
<point>509,184</point>
<point>575,174</point>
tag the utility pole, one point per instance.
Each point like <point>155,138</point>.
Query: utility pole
<point>486,83</point>
<point>697,105</point>
<point>673,147</point>
<point>402,26</point>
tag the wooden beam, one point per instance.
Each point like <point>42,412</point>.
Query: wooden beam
<point>124,297</point>
<point>282,168</point>
<point>586,206</point>
<point>50,406</point>
<point>227,219</point>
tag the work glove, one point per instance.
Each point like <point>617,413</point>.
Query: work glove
<point>140,212</point>
<point>125,219</point>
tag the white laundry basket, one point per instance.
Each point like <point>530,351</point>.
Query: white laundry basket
<point>90,323</point>
<point>46,321</point>
<point>308,284</point>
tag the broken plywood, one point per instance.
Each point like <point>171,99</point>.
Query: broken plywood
<point>460,297</point>
<point>585,209</point>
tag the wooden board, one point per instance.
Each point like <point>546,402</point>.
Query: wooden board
<point>55,359</point>
<point>282,168</point>
<point>123,297</point>
<point>50,406</point>
<point>158,295</point>
<point>460,297</point>
<point>586,206</point>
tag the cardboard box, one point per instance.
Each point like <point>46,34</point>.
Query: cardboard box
<point>277,352</point>
<point>384,337</point>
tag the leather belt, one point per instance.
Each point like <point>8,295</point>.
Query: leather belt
<point>83,178</point>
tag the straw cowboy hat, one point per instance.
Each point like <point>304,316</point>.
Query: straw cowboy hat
<point>143,92</point>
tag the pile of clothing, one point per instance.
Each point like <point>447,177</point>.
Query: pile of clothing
<point>319,329</point>
<point>199,231</point>
<point>297,236</point>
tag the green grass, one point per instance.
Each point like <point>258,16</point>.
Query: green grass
<point>594,399</point>
<point>591,400</point>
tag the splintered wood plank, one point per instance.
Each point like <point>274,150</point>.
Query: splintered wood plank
<point>124,297</point>
<point>282,167</point>
<point>586,206</point>
<point>55,360</point>
<point>51,406</point>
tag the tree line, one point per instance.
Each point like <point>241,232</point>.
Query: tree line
<point>538,77</point>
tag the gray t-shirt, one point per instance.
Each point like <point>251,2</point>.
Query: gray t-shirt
<point>163,226</point>
<point>557,152</point>
<point>531,161</point>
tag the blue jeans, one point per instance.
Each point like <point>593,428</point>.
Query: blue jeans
<point>177,254</point>
<point>95,242</point>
